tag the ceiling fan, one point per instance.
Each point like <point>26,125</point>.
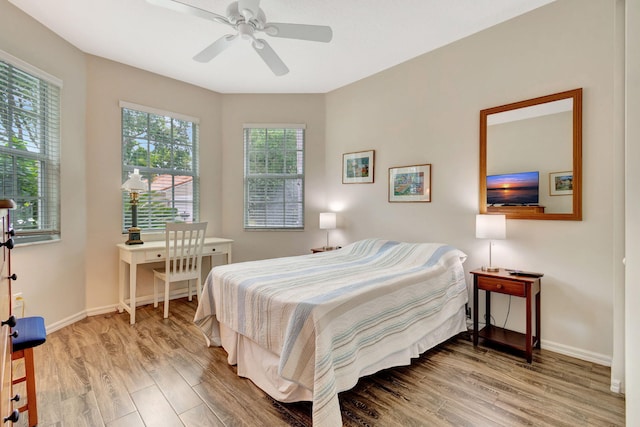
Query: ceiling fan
<point>246,17</point>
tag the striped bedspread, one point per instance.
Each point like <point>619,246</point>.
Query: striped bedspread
<point>332,316</point>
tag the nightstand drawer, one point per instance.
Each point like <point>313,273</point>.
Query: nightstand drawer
<point>504,286</point>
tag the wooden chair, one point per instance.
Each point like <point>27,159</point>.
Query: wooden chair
<point>184,244</point>
<point>31,333</point>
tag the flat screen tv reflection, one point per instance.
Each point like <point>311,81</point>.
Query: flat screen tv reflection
<point>517,189</point>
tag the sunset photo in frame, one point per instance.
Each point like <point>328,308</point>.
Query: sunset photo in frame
<point>561,183</point>
<point>358,168</point>
<point>410,183</point>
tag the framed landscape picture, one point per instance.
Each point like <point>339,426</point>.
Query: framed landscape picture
<point>410,183</point>
<point>358,168</point>
<point>561,183</point>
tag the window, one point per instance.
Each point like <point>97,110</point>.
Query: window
<point>164,147</point>
<point>274,177</point>
<point>29,148</point>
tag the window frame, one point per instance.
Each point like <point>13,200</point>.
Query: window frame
<point>147,223</point>
<point>291,176</point>
<point>48,96</point>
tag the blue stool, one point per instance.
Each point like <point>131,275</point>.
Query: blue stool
<point>31,333</point>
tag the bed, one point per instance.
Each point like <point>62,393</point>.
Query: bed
<point>307,327</point>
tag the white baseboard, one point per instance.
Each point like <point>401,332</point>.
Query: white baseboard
<point>144,300</point>
<point>578,353</point>
<point>101,310</point>
<point>617,386</point>
<point>66,322</point>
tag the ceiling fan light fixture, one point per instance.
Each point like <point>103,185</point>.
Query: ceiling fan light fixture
<point>245,30</point>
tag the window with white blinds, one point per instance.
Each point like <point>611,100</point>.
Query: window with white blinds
<point>164,147</point>
<point>274,177</point>
<point>30,149</point>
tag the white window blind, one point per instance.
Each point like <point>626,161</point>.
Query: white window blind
<point>30,148</point>
<point>274,177</point>
<point>164,147</point>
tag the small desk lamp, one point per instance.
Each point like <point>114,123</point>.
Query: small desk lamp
<point>491,227</point>
<point>327,222</point>
<point>134,185</point>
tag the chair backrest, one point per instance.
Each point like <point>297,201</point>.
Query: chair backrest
<point>184,244</point>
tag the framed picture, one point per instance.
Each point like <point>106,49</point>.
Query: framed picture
<point>410,184</point>
<point>358,168</point>
<point>561,183</point>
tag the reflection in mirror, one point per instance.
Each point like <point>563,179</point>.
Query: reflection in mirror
<point>530,158</point>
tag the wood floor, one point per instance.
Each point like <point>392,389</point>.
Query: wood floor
<point>102,371</point>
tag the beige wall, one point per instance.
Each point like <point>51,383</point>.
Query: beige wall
<point>427,111</point>
<point>108,83</point>
<point>51,276</point>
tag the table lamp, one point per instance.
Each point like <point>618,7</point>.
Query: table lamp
<point>327,222</point>
<point>134,185</point>
<point>491,227</point>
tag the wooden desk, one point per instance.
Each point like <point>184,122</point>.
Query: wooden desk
<point>519,286</point>
<point>150,252</point>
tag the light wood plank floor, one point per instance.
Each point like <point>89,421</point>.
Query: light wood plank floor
<point>103,372</point>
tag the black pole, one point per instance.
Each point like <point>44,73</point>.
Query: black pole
<point>134,214</point>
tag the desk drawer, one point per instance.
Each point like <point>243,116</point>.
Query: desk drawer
<point>155,255</point>
<point>160,254</point>
<point>504,286</point>
<point>215,249</point>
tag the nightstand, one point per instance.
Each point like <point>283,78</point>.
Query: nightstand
<point>519,286</point>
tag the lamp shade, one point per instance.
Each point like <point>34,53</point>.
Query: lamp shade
<point>135,182</point>
<point>491,227</point>
<point>327,220</point>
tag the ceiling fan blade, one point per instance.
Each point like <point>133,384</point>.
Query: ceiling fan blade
<point>315,33</point>
<point>270,57</point>
<point>178,6</point>
<point>215,48</point>
<point>249,8</point>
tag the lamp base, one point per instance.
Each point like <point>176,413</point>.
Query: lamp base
<point>134,236</point>
<point>491,269</point>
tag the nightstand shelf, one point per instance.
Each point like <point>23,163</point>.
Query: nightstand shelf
<point>519,286</point>
<point>505,337</point>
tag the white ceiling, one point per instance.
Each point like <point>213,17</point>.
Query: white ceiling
<point>368,36</point>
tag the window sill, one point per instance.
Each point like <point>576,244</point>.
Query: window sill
<point>24,242</point>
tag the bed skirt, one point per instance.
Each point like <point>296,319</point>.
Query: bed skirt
<point>261,366</point>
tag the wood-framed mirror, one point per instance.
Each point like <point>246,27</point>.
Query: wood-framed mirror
<point>531,158</point>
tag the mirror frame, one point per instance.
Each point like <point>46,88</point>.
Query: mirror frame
<point>514,212</point>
